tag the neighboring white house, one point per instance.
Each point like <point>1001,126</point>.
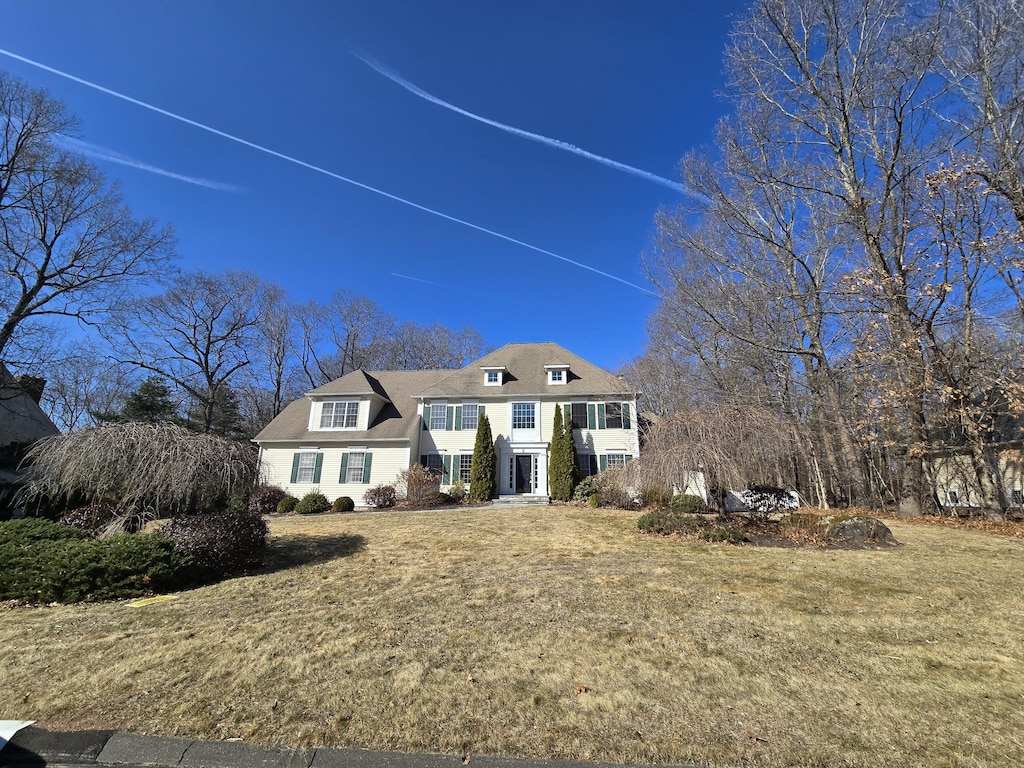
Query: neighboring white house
<point>361,430</point>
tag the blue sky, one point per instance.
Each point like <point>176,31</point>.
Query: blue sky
<point>322,83</point>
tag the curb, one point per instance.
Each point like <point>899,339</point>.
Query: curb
<point>35,747</point>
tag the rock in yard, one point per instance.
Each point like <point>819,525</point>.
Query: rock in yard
<point>857,530</point>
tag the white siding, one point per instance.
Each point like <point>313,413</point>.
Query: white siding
<point>388,460</point>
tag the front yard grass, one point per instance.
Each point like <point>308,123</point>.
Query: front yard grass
<point>557,632</point>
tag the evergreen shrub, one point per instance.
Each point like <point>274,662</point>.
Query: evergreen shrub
<point>312,503</point>
<point>688,503</point>
<point>343,504</point>
<point>286,505</point>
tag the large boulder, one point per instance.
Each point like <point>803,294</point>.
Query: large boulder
<point>849,530</point>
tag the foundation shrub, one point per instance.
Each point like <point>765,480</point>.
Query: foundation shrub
<point>265,499</point>
<point>457,491</point>
<point>586,488</point>
<point>343,504</point>
<point>287,505</point>
<point>417,485</point>
<point>381,497</point>
<point>312,503</point>
<point>594,500</point>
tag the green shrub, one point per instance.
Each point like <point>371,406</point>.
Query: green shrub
<point>594,501</point>
<point>726,533</point>
<point>220,543</point>
<point>286,505</point>
<point>44,562</point>
<point>655,496</point>
<point>688,503</point>
<point>343,504</point>
<point>381,497</point>
<point>457,491</point>
<point>586,488</point>
<point>265,499</point>
<point>312,503</point>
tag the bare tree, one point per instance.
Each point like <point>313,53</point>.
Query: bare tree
<point>199,334</point>
<point>69,246</point>
<point>83,386</point>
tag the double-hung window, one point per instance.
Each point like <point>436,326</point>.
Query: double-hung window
<point>952,497</point>
<point>306,468</point>
<point>523,416</point>
<point>470,415</point>
<point>616,460</point>
<point>438,414</point>
<point>465,467</point>
<point>613,415</point>
<point>354,472</point>
<point>579,416</point>
<point>434,463</point>
<point>339,414</point>
<point>1017,497</point>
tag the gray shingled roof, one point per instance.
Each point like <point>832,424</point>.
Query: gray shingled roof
<point>397,419</point>
<point>524,375</point>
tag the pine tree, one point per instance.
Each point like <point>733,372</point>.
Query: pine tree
<point>150,403</point>
<point>483,476</point>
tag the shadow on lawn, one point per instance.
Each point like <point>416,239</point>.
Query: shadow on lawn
<point>297,549</point>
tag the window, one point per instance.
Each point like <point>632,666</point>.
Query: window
<point>587,463</point>
<point>1017,497</point>
<point>339,415</point>
<point>356,462</point>
<point>434,463</point>
<point>465,467</point>
<point>616,460</point>
<point>470,414</point>
<point>613,415</point>
<point>438,413</point>
<point>492,378</point>
<point>306,468</point>
<point>579,416</point>
<point>952,497</point>
<point>557,377</point>
<point>522,416</point>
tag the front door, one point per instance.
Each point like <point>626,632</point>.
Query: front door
<point>524,473</point>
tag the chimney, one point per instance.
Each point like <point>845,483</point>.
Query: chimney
<point>32,386</point>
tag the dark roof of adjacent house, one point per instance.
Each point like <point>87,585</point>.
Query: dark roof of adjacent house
<point>22,421</point>
<point>524,374</point>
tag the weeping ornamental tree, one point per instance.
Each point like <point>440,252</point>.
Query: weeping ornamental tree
<point>147,470</point>
<point>483,478</point>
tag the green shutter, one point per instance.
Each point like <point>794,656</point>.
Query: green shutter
<point>426,416</point>
<point>367,460</point>
<point>591,416</point>
<point>604,462</point>
<point>295,467</point>
<point>601,421</point>
<point>593,464</point>
<point>479,411</point>
<point>626,424</point>
<point>423,460</point>
<point>319,466</point>
<point>566,414</point>
<point>458,417</point>
<point>344,468</point>
<point>446,476</point>
<point>628,458</point>
<point>448,418</point>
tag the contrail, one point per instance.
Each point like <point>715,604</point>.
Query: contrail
<point>102,153</point>
<point>556,143</point>
<point>417,279</point>
<point>318,169</point>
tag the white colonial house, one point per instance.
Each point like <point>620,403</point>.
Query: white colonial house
<point>361,430</point>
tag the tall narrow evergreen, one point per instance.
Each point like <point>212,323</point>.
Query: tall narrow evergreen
<point>483,474</point>
<point>561,463</point>
<point>571,457</point>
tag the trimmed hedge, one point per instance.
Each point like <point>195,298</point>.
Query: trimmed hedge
<point>222,543</point>
<point>343,504</point>
<point>286,505</point>
<point>44,562</point>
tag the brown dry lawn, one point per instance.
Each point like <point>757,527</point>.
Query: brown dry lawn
<point>557,632</point>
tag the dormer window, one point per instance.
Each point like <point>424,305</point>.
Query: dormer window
<point>493,375</point>
<point>339,414</point>
<point>557,374</point>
